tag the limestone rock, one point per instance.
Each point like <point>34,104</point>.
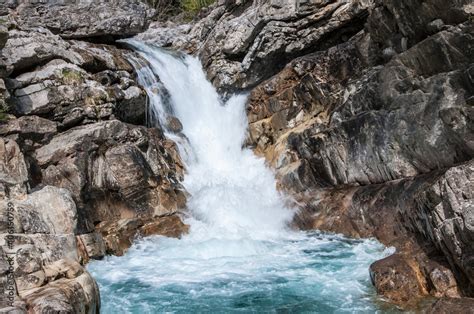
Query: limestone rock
<point>429,212</point>
<point>118,236</point>
<point>114,171</point>
<point>50,210</point>
<point>66,93</point>
<point>243,42</point>
<point>13,171</point>
<point>338,131</point>
<point>86,19</point>
<point>77,295</point>
<point>93,244</point>
<point>30,128</point>
<point>41,244</point>
<point>25,49</point>
<point>3,35</point>
<point>169,226</point>
<point>452,305</point>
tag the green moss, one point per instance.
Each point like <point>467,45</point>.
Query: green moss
<point>194,6</point>
<point>181,9</point>
<point>3,110</point>
<point>71,76</point>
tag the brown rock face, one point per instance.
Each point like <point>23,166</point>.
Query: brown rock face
<point>114,171</point>
<point>118,236</point>
<point>38,245</point>
<point>169,226</point>
<point>396,279</point>
<point>374,133</point>
<point>450,305</point>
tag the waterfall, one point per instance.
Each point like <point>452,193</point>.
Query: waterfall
<point>232,191</point>
<point>239,254</point>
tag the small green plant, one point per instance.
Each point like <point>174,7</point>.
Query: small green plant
<point>194,6</point>
<point>172,8</point>
<point>71,76</point>
<point>3,110</point>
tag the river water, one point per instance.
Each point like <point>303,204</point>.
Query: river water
<point>239,256</point>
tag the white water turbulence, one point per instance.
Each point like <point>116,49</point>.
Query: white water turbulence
<point>239,255</point>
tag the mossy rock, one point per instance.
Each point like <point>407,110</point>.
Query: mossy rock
<point>71,76</point>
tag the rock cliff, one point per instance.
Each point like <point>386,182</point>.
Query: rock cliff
<point>80,173</point>
<point>364,109</point>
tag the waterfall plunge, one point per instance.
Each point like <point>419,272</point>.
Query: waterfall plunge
<point>238,255</point>
<point>232,192</point>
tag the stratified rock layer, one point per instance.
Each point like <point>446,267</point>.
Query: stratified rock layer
<point>73,154</point>
<point>368,123</point>
<point>85,19</point>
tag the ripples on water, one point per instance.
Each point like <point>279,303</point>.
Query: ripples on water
<point>239,256</point>
<point>308,272</point>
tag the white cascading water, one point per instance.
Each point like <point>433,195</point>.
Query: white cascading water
<point>239,254</point>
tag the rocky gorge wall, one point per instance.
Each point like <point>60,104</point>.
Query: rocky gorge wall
<point>363,108</point>
<point>80,173</point>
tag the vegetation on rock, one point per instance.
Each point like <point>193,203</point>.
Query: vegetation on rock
<point>189,8</point>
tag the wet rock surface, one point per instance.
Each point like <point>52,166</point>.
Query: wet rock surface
<point>118,236</point>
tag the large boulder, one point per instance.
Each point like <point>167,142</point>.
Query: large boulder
<point>86,19</point>
<point>118,236</point>
<point>40,242</point>
<point>114,171</point>
<point>432,221</point>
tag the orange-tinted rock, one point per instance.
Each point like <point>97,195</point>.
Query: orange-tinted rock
<point>169,226</point>
<point>452,306</point>
<point>119,235</point>
<point>397,278</point>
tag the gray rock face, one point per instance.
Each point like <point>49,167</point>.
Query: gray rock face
<point>353,150</point>
<point>243,42</point>
<point>435,207</point>
<point>63,89</point>
<point>66,162</point>
<point>114,171</point>
<point>86,19</point>
<point>13,171</point>
<point>40,241</point>
<point>345,128</point>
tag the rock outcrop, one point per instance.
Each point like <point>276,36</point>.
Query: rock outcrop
<point>241,43</point>
<point>85,19</point>
<point>80,174</point>
<point>364,110</point>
